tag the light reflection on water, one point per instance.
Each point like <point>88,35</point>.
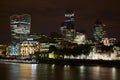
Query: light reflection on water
<point>114,73</point>
<point>57,72</point>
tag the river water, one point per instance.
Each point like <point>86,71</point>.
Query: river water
<point>19,71</point>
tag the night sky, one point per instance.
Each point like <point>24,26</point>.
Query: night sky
<point>47,15</point>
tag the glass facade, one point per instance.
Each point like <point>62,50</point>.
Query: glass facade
<point>98,31</point>
<point>14,49</point>
<point>67,27</point>
<point>20,27</point>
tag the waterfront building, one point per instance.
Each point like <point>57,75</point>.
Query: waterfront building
<point>45,42</point>
<point>3,49</point>
<point>14,49</point>
<point>29,47</point>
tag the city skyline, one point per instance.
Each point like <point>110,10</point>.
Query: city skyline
<point>48,15</point>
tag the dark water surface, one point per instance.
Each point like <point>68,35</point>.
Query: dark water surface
<point>19,71</point>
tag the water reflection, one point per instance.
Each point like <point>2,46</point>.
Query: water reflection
<point>12,70</point>
<point>114,73</point>
<point>22,71</point>
<point>57,72</point>
<point>66,74</point>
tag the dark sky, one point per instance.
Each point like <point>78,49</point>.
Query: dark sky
<point>47,15</point>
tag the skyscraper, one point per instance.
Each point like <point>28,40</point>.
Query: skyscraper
<point>68,25</point>
<point>98,32</point>
<point>20,27</point>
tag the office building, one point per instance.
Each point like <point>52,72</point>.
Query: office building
<point>20,27</point>
<point>80,38</point>
<point>68,25</point>
<point>98,32</point>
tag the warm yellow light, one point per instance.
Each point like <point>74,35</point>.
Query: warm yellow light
<point>51,55</point>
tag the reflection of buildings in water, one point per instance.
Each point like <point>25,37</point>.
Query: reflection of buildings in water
<point>96,72</point>
<point>28,71</point>
<point>114,73</point>
<point>54,72</point>
<point>13,71</point>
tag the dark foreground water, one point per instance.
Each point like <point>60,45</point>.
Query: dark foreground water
<point>16,71</point>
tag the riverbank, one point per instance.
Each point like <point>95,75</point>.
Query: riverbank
<point>78,62</point>
<point>19,61</point>
<point>73,62</point>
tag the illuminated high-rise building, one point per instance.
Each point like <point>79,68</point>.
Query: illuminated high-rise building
<point>80,38</point>
<point>98,31</point>
<point>20,27</point>
<point>68,25</point>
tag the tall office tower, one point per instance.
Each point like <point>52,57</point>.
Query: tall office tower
<point>20,27</point>
<point>67,27</point>
<point>98,32</point>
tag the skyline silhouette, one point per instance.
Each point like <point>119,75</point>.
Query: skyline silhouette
<point>46,16</point>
